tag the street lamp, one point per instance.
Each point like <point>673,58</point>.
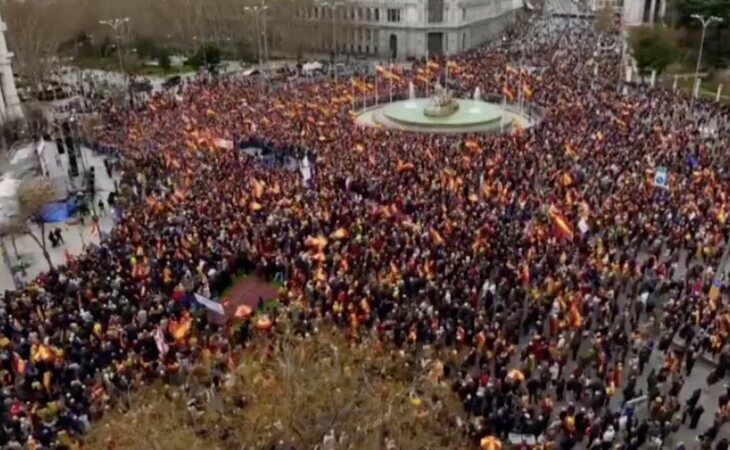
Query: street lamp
<point>116,25</point>
<point>332,5</point>
<point>260,34</point>
<point>705,23</point>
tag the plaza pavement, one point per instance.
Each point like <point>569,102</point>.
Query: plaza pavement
<point>75,236</point>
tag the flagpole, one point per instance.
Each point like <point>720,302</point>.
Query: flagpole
<point>501,118</point>
<point>352,87</point>
<point>447,74</point>
<point>391,87</point>
<point>377,102</point>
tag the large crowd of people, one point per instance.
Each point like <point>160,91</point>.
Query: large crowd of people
<point>569,283</point>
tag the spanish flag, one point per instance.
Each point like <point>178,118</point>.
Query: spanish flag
<point>180,329</point>
<point>18,364</point>
<point>561,224</point>
<point>402,167</point>
<point>338,234</point>
<point>526,91</point>
<point>317,243</point>
<point>507,93</point>
<point>433,65</point>
<point>453,66</point>
<point>258,188</point>
<point>511,70</point>
<point>436,237</point>
<point>41,353</point>
<point>569,152</point>
<point>575,319</point>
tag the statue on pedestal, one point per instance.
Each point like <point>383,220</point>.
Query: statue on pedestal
<point>442,103</point>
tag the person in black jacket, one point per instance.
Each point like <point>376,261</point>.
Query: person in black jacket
<point>691,403</point>
<point>695,415</point>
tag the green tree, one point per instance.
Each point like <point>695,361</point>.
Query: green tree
<point>208,54</point>
<point>146,48</point>
<point>164,59</point>
<point>653,48</point>
<point>716,49</point>
<point>706,8</point>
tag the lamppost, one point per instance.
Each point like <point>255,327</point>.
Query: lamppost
<point>332,5</point>
<point>705,23</point>
<point>260,30</point>
<point>117,25</point>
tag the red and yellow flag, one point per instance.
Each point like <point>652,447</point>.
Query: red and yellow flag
<point>562,226</point>
<point>180,329</point>
<point>507,93</point>
<point>526,91</point>
<point>436,237</point>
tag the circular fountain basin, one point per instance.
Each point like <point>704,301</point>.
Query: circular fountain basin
<point>471,113</point>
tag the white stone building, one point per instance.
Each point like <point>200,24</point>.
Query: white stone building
<point>637,12</point>
<point>9,101</point>
<point>403,29</point>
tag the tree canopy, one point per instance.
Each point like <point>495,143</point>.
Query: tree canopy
<point>653,48</point>
<point>294,392</point>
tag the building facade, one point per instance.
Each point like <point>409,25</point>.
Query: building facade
<point>9,100</point>
<point>400,29</point>
<point>637,12</point>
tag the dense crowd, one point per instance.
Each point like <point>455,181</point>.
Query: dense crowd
<point>546,256</point>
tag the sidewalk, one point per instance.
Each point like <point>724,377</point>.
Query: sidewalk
<point>75,236</point>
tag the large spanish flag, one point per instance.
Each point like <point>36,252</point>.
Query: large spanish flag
<point>561,224</point>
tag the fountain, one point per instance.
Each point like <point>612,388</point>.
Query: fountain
<point>442,103</point>
<point>441,113</point>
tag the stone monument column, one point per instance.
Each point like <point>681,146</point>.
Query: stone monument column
<point>12,107</point>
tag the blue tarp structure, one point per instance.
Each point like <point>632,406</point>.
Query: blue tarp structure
<point>58,211</point>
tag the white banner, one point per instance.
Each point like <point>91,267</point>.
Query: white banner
<point>210,304</point>
<point>224,143</point>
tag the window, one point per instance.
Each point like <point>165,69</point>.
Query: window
<point>359,14</point>
<point>377,14</point>
<point>393,15</point>
<point>435,11</point>
<point>368,15</point>
<point>463,14</point>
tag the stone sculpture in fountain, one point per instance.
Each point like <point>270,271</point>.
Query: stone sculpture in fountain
<point>442,103</point>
